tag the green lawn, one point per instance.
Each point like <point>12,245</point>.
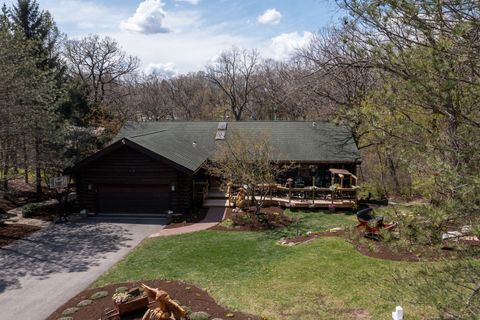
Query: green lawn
<point>248,271</point>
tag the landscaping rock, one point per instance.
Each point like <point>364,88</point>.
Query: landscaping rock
<point>200,315</point>
<point>99,295</point>
<point>230,315</point>
<point>84,303</point>
<point>69,311</point>
<point>217,319</point>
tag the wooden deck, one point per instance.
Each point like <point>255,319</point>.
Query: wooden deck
<point>285,202</point>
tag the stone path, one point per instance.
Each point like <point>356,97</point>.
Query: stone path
<point>214,216</point>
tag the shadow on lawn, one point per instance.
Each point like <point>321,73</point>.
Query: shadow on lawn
<point>69,247</point>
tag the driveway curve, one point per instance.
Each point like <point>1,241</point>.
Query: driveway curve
<point>43,271</point>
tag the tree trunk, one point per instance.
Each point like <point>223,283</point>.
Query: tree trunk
<point>38,173</point>
<point>25,160</point>
<point>5,178</point>
<point>393,172</point>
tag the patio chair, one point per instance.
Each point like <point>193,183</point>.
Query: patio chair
<point>372,224</point>
<point>299,183</point>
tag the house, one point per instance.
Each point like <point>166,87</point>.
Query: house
<point>159,166</point>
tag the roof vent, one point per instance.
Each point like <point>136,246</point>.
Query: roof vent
<point>221,130</point>
<point>194,143</point>
<point>314,124</point>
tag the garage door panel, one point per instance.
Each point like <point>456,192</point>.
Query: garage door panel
<point>133,198</point>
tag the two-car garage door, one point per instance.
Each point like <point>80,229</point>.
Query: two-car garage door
<point>133,198</point>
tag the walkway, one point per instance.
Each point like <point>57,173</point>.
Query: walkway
<point>41,272</point>
<point>214,216</point>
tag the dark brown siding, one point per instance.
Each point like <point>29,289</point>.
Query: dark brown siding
<point>185,196</point>
<point>126,166</point>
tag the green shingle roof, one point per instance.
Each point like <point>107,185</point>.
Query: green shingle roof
<point>191,143</point>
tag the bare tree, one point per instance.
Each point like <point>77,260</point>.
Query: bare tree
<point>338,78</point>
<point>235,73</point>
<point>100,63</point>
<point>248,160</point>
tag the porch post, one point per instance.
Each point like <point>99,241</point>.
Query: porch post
<point>289,181</point>
<point>313,192</point>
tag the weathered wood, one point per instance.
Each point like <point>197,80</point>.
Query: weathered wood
<point>128,167</point>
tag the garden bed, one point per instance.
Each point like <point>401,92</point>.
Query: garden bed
<point>387,251</point>
<point>188,295</point>
<point>268,219</point>
<point>10,233</point>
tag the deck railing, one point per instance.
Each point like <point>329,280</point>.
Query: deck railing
<point>307,196</point>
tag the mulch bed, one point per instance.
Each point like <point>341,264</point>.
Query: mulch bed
<point>271,218</point>
<point>13,232</point>
<point>384,250</point>
<point>193,297</point>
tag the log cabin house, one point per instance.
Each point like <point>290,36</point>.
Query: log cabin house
<point>156,167</point>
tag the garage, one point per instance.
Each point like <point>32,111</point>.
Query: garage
<point>118,198</point>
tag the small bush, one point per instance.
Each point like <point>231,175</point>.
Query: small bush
<point>121,289</point>
<point>227,223</point>
<point>99,295</point>
<point>65,318</point>
<point>200,315</point>
<point>29,209</point>
<point>187,309</point>
<point>84,303</point>
<point>69,311</point>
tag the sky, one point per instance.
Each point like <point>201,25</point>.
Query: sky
<point>180,36</point>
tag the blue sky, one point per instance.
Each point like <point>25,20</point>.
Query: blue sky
<point>179,36</point>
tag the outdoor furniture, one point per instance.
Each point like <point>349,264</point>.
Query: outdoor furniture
<point>372,224</point>
<point>299,183</point>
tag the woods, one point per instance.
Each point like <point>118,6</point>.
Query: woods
<point>402,76</point>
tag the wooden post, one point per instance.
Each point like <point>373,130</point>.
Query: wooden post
<point>313,192</point>
<point>229,190</point>
<point>289,182</point>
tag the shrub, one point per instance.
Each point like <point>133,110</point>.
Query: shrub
<point>29,209</point>
<point>69,311</point>
<point>84,303</point>
<point>121,297</point>
<point>200,315</point>
<point>99,295</point>
<point>121,289</point>
<point>227,223</point>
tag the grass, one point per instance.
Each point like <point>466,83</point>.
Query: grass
<point>248,271</point>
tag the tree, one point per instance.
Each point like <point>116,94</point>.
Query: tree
<point>102,65</point>
<point>248,160</point>
<point>27,20</point>
<point>428,107</point>
<point>235,73</point>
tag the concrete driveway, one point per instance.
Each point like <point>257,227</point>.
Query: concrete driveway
<point>40,273</point>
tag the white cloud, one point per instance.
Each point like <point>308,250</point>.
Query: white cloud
<point>80,16</point>
<point>148,18</point>
<point>193,2</point>
<point>271,16</point>
<point>188,50</point>
<point>166,70</point>
<point>285,44</point>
